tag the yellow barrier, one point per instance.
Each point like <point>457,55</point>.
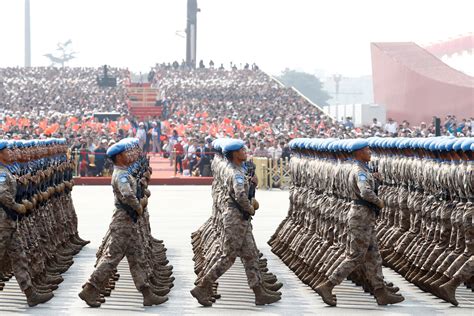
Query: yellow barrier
<point>272,173</point>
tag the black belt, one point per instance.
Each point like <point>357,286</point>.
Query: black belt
<point>11,213</point>
<point>127,208</point>
<point>365,203</point>
<point>245,215</point>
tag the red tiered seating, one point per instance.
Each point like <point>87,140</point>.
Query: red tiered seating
<point>142,99</point>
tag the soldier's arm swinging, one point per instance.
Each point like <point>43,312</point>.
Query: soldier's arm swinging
<point>366,192</point>
<point>7,199</point>
<point>241,196</point>
<point>129,197</point>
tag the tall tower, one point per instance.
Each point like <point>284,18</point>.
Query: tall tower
<point>191,32</point>
<point>27,35</point>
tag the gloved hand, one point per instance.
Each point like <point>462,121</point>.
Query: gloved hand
<point>147,192</point>
<point>252,211</point>
<point>34,201</point>
<point>140,211</point>
<point>255,204</point>
<point>20,209</point>
<point>51,191</point>
<point>144,202</point>
<point>28,205</point>
<point>381,204</point>
<point>45,195</point>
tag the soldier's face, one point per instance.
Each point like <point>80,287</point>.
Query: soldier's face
<point>363,154</point>
<point>241,154</point>
<point>5,156</point>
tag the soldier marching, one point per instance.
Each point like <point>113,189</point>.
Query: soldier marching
<point>227,234</point>
<point>38,223</point>
<point>129,233</point>
<point>413,200</point>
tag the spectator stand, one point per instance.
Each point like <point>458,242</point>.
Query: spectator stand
<point>163,172</point>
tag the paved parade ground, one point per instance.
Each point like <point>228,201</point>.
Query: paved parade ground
<point>175,212</point>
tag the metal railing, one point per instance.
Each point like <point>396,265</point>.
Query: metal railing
<point>272,173</point>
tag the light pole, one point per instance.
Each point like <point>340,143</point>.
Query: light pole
<point>27,35</point>
<point>191,33</point>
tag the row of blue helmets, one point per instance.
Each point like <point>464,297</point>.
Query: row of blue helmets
<point>442,143</point>
<point>31,143</point>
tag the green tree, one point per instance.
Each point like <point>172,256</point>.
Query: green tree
<point>307,84</point>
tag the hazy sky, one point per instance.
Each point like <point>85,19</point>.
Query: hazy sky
<point>332,36</point>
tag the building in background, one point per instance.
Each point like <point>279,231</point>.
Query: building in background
<point>415,84</point>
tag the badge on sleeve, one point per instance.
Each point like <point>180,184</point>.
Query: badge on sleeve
<point>362,176</point>
<point>123,179</point>
<point>240,179</point>
<point>3,177</point>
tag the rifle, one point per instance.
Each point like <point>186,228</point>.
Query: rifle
<point>14,216</point>
<point>251,173</point>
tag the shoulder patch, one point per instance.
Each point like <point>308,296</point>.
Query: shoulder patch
<point>240,179</point>
<point>362,176</point>
<point>123,179</point>
<point>3,177</point>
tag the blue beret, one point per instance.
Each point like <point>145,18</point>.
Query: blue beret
<point>215,144</point>
<point>457,144</point>
<point>116,149</point>
<point>18,143</point>
<point>357,144</point>
<point>433,146</point>
<point>344,145</point>
<point>448,145</point>
<point>3,144</point>
<point>292,143</point>
<point>308,144</point>
<point>472,147</point>
<point>233,144</point>
<point>466,144</point>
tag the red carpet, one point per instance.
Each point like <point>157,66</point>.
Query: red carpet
<point>163,174</point>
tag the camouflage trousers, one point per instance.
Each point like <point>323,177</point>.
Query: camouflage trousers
<point>468,223</point>
<point>362,249</point>
<point>466,272</point>
<point>122,242</point>
<point>237,241</point>
<point>11,248</point>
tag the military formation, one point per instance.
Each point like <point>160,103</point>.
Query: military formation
<point>413,200</point>
<point>129,233</point>
<point>38,223</point>
<point>227,234</point>
<point>355,205</point>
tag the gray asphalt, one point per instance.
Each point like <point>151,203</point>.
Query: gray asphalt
<point>175,212</point>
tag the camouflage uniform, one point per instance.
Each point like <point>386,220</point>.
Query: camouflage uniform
<point>362,243</point>
<point>237,232</point>
<point>10,244</point>
<point>122,239</point>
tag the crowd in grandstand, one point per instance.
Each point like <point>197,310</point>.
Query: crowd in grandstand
<point>198,106</point>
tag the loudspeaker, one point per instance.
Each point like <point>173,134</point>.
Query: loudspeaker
<point>437,124</point>
<point>107,82</point>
